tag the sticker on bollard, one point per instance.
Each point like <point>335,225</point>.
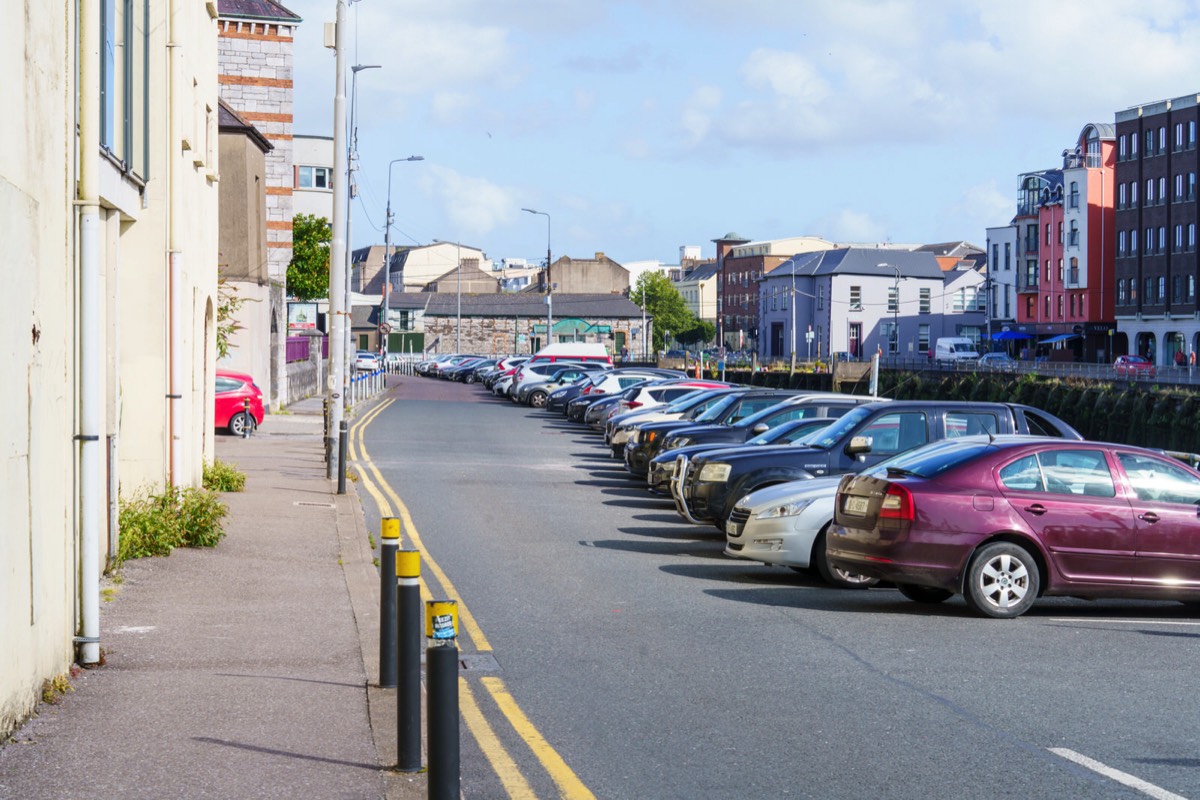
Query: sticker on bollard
<point>441,620</point>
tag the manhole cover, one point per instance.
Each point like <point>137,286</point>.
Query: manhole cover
<point>480,662</point>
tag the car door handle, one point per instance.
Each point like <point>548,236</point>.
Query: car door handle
<point>1149,516</point>
<point>1037,509</point>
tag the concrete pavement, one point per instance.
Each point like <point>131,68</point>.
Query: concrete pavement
<point>248,670</point>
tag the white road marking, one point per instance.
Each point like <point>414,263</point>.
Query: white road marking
<point>1124,621</point>
<point>1124,778</point>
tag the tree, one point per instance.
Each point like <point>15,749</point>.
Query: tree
<point>228,304</point>
<point>308,272</point>
<point>662,301</point>
<point>703,332</point>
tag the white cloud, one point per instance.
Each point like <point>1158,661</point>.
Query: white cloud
<point>698,112</point>
<point>850,225</point>
<point>983,204</point>
<point>474,206</point>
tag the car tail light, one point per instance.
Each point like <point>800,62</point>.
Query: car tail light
<point>897,503</point>
<point>633,404</point>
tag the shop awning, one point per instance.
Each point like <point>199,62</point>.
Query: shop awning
<point>1011,335</point>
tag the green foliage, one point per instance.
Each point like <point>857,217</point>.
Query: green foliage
<point>222,477</point>
<point>155,524</point>
<point>662,301</point>
<point>308,272</point>
<point>703,332</point>
<point>228,305</point>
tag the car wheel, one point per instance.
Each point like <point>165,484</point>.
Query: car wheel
<point>924,594</point>
<point>238,423</point>
<point>1002,581</point>
<point>836,576</point>
<point>537,399</point>
<point>469,379</point>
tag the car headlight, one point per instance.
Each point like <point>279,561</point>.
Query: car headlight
<point>714,473</point>
<point>635,436</point>
<point>784,510</point>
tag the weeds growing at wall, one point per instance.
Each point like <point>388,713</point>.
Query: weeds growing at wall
<point>222,477</point>
<point>155,524</point>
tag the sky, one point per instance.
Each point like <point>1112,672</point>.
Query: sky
<point>640,126</point>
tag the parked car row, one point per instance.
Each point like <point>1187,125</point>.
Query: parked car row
<point>998,502</point>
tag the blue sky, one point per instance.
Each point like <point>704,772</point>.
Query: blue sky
<point>644,125</point>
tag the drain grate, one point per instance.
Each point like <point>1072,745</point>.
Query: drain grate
<point>312,504</point>
<point>479,662</point>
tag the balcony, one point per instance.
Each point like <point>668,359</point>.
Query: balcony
<point>1031,245</point>
<point>1028,282</point>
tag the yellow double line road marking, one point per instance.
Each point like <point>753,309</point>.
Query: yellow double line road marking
<point>506,769</point>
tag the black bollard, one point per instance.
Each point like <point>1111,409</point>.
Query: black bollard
<point>389,533</point>
<point>408,687</point>
<point>343,436</point>
<point>248,420</point>
<point>441,675</point>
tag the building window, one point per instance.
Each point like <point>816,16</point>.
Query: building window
<point>1162,189</point>
<point>924,305</point>
<point>1074,276</point>
<point>1074,194</point>
<point>1148,243</point>
<point>959,301</point>
<point>1191,288</point>
<point>923,338</point>
<point>1179,238</point>
<point>856,298</point>
<point>1191,239</point>
<point>1133,201</point>
<point>1178,136</point>
<point>1133,145</point>
<point>893,301</point>
<point>995,256</point>
<point>1148,294</point>
<point>316,178</point>
<point>774,298</point>
<point>1122,148</point>
<point>1133,245</point>
<point>1179,186</point>
<point>1074,241</point>
<point>887,330</point>
<point>1162,139</point>
<point>783,299</point>
<point>1008,255</point>
<point>1150,142</point>
<point>1162,239</point>
<point>1047,233</point>
<point>1121,196</point>
<point>1047,307</point>
<point>1072,306</point>
<point>1121,292</point>
<point>1191,140</point>
<point>1061,275</point>
<point>1120,243</point>
<point>1191,187</point>
<point>1150,191</point>
<point>1060,232</point>
<point>1060,306</point>
<point>1176,289</point>
<point>1162,288</point>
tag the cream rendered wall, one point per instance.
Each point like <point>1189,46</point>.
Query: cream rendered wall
<point>144,253</point>
<point>37,516</point>
<point>425,264</point>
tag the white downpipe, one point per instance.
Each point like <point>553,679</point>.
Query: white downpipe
<point>175,258</point>
<point>91,335</point>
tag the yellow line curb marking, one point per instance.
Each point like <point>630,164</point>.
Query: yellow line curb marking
<point>569,785</point>
<point>506,769</point>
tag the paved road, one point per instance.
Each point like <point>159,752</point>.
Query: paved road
<point>656,667</point>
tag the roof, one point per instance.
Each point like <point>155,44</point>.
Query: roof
<point>517,305</point>
<point>702,272</point>
<point>956,249</point>
<point>229,121</point>
<point>257,9</point>
<point>860,261</point>
<point>731,237</point>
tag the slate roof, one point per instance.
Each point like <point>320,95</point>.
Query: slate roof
<point>256,9</point>
<point>702,272</point>
<point>860,261</point>
<point>228,121</point>
<point>517,304</point>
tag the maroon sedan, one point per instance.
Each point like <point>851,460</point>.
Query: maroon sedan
<point>232,391</point>
<point>1007,520</point>
<point>1133,367</point>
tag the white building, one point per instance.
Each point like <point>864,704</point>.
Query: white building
<point>313,176</point>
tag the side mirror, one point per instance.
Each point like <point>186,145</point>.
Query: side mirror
<point>760,429</point>
<point>859,445</point>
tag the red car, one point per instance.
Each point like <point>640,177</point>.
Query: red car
<point>1006,520</point>
<point>1134,367</point>
<point>233,390</point>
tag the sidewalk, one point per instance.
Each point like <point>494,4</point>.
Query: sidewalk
<point>246,670</point>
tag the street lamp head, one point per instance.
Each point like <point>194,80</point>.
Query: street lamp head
<point>360,67</point>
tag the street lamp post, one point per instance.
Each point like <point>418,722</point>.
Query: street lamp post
<point>644,358</point>
<point>351,158</point>
<point>387,251</point>
<point>895,308</point>
<point>549,285</point>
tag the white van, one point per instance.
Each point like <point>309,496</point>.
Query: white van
<point>572,351</point>
<point>955,348</point>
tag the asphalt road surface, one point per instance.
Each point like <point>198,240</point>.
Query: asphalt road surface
<point>656,667</point>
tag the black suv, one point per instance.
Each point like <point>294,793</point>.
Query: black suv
<point>707,487</point>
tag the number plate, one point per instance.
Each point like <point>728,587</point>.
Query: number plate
<point>856,506</point>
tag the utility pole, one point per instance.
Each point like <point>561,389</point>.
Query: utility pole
<point>337,252</point>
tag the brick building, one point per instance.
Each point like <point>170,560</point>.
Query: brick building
<point>254,60</point>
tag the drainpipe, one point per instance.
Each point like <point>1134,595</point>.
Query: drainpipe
<point>174,243</point>
<point>91,336</point>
